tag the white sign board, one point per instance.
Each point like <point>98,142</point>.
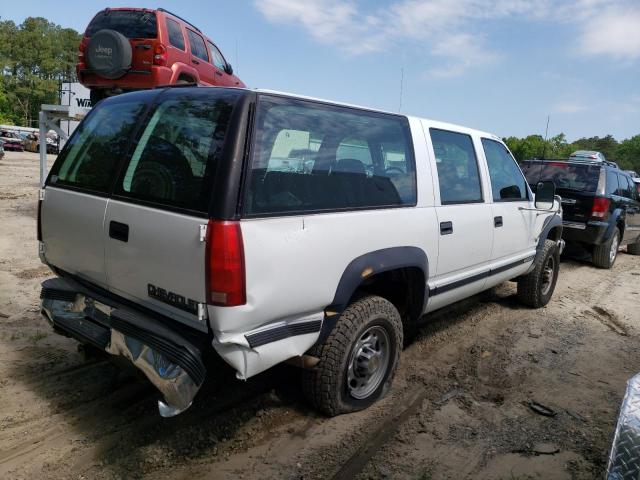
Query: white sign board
<point>74,95</point>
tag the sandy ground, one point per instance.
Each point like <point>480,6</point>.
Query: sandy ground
<point>459,407</point>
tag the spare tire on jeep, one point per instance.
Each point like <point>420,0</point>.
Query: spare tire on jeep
<point>109,54</point>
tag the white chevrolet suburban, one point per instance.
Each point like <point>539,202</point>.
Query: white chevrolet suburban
<point>270,227</point>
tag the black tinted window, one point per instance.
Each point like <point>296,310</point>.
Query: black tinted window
<point>565,175</point>
<point>507,181</point>
<point>175,34</point>
<point>130,23</point>
<point>175,159</point>
<point>313,157</point>
<point>612,183</point>
<point>91,156</point>
<point>198,48</point>
<point>623,188</point>
<point>457,167</point>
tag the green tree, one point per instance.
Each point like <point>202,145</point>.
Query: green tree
<point>35,57</point>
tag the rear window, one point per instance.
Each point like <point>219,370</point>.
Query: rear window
<point>90,158</point>
<point>311,157</point>
<point>174,161</point>
<point>565,175</point>
<point>130,23</point>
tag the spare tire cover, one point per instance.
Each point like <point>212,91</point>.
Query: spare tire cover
<point>109,54</point>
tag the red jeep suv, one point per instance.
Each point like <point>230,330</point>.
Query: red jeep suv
<point>137,48</point>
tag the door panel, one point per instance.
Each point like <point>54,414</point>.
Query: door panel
<point>515,238</point>
<point>161,249</point>
<point>73,233</point>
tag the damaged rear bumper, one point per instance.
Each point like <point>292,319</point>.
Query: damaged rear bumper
<point>169,360</point>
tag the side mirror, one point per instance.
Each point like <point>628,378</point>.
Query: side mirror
<point>545,195</point>
<point>228,69</point>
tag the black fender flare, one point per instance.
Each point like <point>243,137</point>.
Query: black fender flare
<point>613,224</point>
<point>554,221</point>
<point>365,266</point>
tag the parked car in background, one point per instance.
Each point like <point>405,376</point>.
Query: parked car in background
<point>200,237</point>
<point>601,204</point>
<point>587,155</point>
<point>1,149</point>
<point>32,144</point>
<point>12,141</point>
<point>126,49</point>
<point>632,173</point>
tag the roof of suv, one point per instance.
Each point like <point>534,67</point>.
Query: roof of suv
<point>436,123</point>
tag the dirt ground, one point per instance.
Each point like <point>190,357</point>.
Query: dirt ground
<point>459,408</point>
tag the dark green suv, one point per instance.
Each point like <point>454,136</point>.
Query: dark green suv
<point>600,202</point>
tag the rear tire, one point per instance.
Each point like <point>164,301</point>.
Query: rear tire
<point>604,256</point>
<point>536,288</point>
<point>634,248</point>
<point>358,360</point>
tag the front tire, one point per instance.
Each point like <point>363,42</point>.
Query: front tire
<point>604,256</point>
<point>536,288</point>
<point>358,360</point>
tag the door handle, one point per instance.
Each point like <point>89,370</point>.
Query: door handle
<point>497,222</point>
<point>195,62</point>
<point>119,231</point>
<point>446,228</point>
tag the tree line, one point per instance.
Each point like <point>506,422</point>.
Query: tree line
<point>625,153</point>
<point>35,57</point>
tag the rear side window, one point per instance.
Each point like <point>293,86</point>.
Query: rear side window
<point>175,159</point>
<point>130,23</point>
<point>623,189</point>
<point>175,34</point>
<point>457,167</point>
<point>218,59</point>
<point>198,48</point>
<point>311,157</point>
<point>507,181</point>
<point>91,156</point>
<point>612,183</point>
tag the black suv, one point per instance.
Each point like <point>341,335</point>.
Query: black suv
<point>601,205</point>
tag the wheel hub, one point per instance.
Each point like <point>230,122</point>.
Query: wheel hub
<point>368,362</point>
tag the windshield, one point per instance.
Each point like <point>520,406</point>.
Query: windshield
<point>130,23</point>
<point>565,175</point>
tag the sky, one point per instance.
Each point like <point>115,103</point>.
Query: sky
<point>502,66</point>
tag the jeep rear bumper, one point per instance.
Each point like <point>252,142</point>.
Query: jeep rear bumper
<point>171,362</point>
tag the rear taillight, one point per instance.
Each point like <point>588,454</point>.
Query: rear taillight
<point>81,51</point>
<point>600,208</point>
<point>160,55</point>
<point>225,264</point>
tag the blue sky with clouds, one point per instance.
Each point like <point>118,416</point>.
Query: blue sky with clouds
<point>500,65</point>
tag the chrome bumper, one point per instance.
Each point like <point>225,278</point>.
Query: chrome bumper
<point>170,363</point>
<point>624,459</point>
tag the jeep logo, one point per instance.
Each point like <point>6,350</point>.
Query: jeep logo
<point>101,49</point>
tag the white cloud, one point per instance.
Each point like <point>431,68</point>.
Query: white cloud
<point>568,107</point>
<point>452,32</point>
<point>615,33</point>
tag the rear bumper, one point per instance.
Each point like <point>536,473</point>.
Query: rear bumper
<point>168,359</point>
<point>132,80</point>
<point>591,233</point>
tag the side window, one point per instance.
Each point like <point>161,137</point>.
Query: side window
<point>623,190</point>
<point>632,189</point>
<point>91,156</point>
<point>457,167</point>
<point>218,59</point>
<point>507,181</point>
<point>312,157</point>
<point>612,183</point>
<point>355,150</point>
<point>174,161</point>
<point>198,49</point>
<point>175,34</point>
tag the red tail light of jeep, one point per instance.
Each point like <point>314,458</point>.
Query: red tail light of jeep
<point>160,55</point>
<point>225,272</point>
